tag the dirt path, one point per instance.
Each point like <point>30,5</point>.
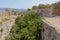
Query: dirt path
<point>6,28</point>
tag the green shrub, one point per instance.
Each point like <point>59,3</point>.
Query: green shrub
<point>27,27</point>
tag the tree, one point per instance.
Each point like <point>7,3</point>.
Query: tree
<point>48,5</point>
<point>41,6</point>
<point>56,8</point>
<point>34,7</point>
<point>28,9</point>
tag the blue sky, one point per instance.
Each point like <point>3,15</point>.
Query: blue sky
<point>23,4</point>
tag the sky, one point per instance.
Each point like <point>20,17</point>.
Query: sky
<point>23,4</point>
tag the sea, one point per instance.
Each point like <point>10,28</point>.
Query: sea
<point>22,10</point>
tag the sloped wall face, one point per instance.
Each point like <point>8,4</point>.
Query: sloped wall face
<point>49,33</point>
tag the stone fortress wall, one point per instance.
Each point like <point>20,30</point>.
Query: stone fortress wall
<point>50,33</point>
<point>51,27</point>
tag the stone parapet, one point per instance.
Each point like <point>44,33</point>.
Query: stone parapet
<point>51,29</point>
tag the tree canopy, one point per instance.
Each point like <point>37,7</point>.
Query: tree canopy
<point>40,6</point>
<point>34,7</point>
<point>56,8</point>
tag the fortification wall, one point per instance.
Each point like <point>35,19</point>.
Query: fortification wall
<point>50,33</point>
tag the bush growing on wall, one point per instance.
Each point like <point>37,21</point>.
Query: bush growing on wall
<point>27,27</point>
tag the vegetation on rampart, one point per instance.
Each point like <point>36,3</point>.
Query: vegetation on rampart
<point>27,27</point>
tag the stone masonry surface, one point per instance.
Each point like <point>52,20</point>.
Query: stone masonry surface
<point>51,28</point>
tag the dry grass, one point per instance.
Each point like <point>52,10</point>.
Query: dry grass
<point>1,22</point>
<point>5,19</point>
